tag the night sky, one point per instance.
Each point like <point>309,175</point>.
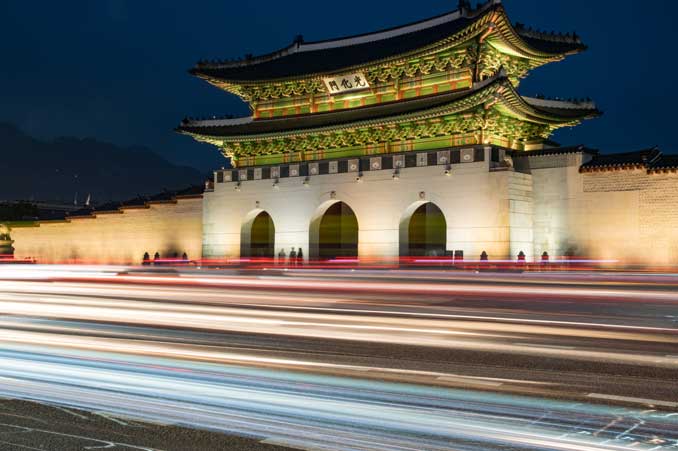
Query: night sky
<point>116,70</point>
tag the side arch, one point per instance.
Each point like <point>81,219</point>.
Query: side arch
<point>422,230</point>
<point>257,235</point>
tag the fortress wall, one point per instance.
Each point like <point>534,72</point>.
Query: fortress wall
<point>474,200</point>
<point>632,215</point>
<point>117,237</point>
<point>626,215</point>
<point>557,190</point>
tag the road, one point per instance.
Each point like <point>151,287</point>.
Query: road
<point>354,360</point>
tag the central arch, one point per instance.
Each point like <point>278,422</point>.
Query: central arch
<point>257,236</point>
<point>423,231</point>
<point>333,232</point>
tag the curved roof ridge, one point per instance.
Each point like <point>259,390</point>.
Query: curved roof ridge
<point>571,110</point>
<point>386,111</point>
<point>217,122</point>
<point>299,46</point>
<point>380,35</point>
<point>564,104</point>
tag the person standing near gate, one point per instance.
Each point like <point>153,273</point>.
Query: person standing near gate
<point>293,257</point>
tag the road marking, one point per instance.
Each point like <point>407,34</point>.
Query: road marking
<point>82,417</point>
<point>291,444</point>
<point>466,380</point>
<point>110,417</point>
<point>21,446</point>
<point>654,402</point>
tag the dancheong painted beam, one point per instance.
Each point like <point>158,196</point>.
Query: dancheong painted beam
<point>442,82</point>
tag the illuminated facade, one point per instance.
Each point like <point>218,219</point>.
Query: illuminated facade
<point>405,142</point>
<point>413,130</point>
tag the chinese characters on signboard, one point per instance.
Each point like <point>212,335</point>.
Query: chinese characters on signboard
<point>346,83</point>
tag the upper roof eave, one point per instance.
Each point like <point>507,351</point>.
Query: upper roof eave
<point>370,48</point>
<point>498,87</point>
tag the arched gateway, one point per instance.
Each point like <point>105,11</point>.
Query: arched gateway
<point>333,232</point>
<point>423,231</point>
<point>393,105</point>
<point>258,235</point>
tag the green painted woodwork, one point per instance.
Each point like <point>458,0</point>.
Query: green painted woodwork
<point>494,113</point>
<point>379,93</point>
<point>485,45</point>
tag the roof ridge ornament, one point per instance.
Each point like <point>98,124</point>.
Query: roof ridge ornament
<point>528,32</point>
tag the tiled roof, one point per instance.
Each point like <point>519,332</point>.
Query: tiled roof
<point>51,215</point>
<point>554,151</point>
<point>329,56</point>
<point>240,127</point>
<point>109,206</point>
<point>195,190</point>
<point>136,202</point>
<point>665,162</point>
<point>293,61</point>
<point>82,213</point>
<point>140,201</point>
<point>645,158</point>
<point>164,196</point>
<point>229,127</point>
<point>550,43</point>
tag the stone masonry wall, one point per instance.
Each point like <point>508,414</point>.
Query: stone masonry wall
<point>116,237</point>
<point>625,215</point>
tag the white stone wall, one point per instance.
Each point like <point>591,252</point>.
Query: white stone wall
<point>558,204</point>
<point>521,214</point>
<point>632,216</point>
<point>476,204</point>
<point>625,215</point>
<point>546,205</point>
<point>120,238</point>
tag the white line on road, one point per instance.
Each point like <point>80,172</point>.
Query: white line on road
<point>654,402</point>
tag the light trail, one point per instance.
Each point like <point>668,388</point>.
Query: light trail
<point>344,413</point>
<point>476,335</point>
<point>304,368</point>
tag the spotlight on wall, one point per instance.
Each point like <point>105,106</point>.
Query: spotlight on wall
<point>448,170</point>
<point>396,174</point>
<point>237,186</point>
<point>306,182</point>
<point>359,178</point>
<point>276,184</point>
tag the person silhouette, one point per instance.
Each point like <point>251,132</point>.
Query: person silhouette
<point>293,256</point>
<point>300,256</point>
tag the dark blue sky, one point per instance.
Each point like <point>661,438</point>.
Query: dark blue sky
<point>116,69</point>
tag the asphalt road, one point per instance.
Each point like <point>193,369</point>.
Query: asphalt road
<point>32,426</point>
<point>365,360</point>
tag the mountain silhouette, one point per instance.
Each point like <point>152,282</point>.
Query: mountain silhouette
<point>31,169</point>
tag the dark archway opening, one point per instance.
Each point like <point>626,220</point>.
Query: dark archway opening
<point>338,233</point>
<point>262,237</point>
<point>427,233</point>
